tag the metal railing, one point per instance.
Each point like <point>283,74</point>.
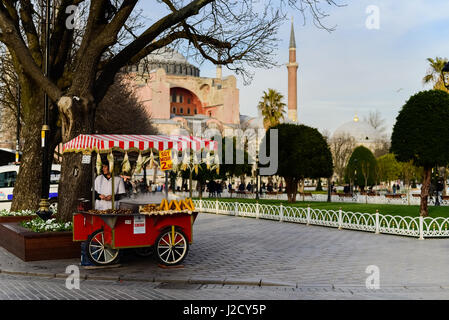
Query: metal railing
<point>357,198</point>
<point>372,222</point>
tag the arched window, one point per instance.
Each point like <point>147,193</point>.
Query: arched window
<point>182,110</point>
<point>174,110</point>
<point>188,111</point>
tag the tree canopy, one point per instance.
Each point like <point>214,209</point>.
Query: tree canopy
<point>389,168</point>
<point>302,153</point>
<point>421,135</point>
<point>421,131</point>
<point>361,168</point>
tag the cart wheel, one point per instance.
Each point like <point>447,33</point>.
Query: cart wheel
<point>97,252</point>
<point>144,251</point>
<point>171,250</point>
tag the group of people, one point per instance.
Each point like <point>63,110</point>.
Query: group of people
<point>215,189</point>
<point>252,187</point>
<point>396,188</point>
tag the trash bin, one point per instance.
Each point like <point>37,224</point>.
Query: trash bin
<point>85,261</point>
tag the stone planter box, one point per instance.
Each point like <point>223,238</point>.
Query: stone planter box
<point>6,219</point>
<point>32,246</point>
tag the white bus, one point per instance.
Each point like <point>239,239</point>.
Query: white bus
<point>8,176</point>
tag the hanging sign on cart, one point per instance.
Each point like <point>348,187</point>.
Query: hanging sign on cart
<point>139,224</point>
<point>165,160</point>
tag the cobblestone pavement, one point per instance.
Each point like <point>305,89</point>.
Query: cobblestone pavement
<point>14,287</point>
<point>246,258</point>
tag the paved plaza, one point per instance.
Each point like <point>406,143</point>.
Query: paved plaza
<point>247,258</point>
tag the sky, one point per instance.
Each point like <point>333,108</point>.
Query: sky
<point>353,69</point>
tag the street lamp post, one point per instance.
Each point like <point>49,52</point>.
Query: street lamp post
<point>445,75</point>
<point>44,206</point>
<point>18,124</point>
<point>257,178</point>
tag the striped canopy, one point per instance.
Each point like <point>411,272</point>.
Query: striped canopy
<point>122,142</point>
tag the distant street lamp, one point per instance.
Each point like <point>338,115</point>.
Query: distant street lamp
<point>445,75</point>
<point>44,211</point>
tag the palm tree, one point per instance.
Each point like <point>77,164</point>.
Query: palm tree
<point>433,75</point>
<point>272,108</point>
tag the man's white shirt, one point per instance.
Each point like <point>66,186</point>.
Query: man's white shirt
<point>104,186</point>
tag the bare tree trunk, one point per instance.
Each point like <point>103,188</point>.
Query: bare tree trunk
<point>27,189</point>
<point>76,178</point>
<point>444,181</point>
<point>291,188</point>
<point>423,208</point>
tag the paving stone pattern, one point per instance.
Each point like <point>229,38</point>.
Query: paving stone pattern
<point>236,255</point>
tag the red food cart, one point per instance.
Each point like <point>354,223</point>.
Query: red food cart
<point>167,233</point>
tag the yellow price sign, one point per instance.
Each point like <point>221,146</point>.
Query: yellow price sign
<point>165,160</point>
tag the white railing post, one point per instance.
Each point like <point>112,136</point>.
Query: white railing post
<point>340,219</point>
<point>257,210</point>
<point>308,214</point>
<point>421,228</point>
<point>281,213</point>
<point>236,212</point>
<point>216,206</point>
<point>377,222</point>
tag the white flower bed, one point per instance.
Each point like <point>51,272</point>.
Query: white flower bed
<point>7,213</point>
<point>39,225</point>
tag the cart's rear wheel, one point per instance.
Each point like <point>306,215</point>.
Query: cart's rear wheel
<point>98,252</point>
<point>171,247</point>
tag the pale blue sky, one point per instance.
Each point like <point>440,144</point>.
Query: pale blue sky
<point>353,69</point>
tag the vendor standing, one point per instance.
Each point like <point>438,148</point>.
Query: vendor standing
<point>103,188</point>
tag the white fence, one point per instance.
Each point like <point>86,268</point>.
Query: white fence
<point>371,222</point>
<point>382,199</point>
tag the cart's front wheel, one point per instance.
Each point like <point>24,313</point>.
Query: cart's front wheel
<point>98,252</point>
<point>171,247</point>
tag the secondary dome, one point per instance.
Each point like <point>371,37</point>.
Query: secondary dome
<point>168,59</point>
<point>361,131</point>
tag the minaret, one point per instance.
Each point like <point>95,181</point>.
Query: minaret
<point>292,68</point>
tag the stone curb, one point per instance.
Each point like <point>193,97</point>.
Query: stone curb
<point>217,281</point>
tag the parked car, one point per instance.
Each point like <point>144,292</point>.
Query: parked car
<point>8,176</point>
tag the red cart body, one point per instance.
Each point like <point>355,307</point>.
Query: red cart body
<point>131,230</point>
<point>121,231</point>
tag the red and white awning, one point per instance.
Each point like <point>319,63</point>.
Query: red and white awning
<point>107,142</point>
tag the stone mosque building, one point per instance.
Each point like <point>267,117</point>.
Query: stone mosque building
<point>362,133</point>
<point>177,97</point>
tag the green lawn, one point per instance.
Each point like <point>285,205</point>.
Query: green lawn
<point>391,209</point>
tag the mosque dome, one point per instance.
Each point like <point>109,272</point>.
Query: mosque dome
<point>247,122</point>
<point>173,62</point>
<point>361,131</point>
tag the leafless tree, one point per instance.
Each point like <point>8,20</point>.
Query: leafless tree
<point>376,121</point>
<point>341,147</point>
<point>84,62</point>
<point>121,112</point>
<point>382,146</point>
